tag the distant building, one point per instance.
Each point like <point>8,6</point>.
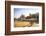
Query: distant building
<point>28,17</point>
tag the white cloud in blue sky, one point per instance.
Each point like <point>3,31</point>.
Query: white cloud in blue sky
<point>25,11</point>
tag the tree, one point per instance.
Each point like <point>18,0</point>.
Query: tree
<point>30,14</point>
<point>22,16</point>
<point>14,19</point>
<point>33,16</point>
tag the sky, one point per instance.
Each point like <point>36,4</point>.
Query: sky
<point>25,11</point>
